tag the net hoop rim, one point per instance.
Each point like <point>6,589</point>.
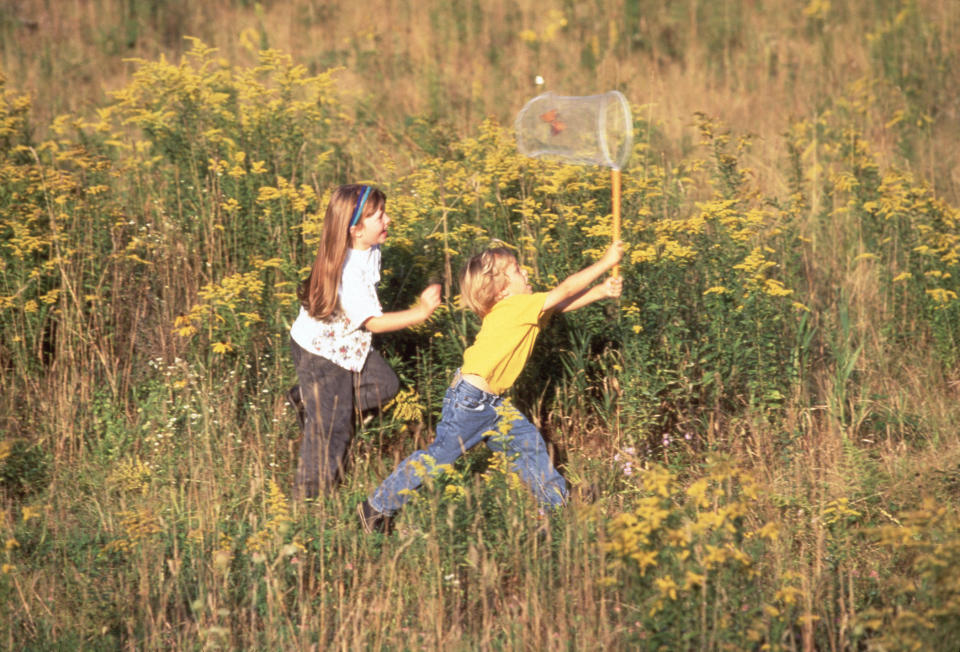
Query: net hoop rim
<point>601,126</point>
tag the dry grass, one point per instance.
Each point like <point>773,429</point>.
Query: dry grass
<point>754,70</point>
<point>203,552</point>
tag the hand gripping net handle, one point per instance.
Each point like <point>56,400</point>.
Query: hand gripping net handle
<point>586,130</point>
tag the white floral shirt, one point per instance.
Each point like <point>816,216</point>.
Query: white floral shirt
<point>341,337</point>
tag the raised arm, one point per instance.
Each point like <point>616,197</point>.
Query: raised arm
<point>574,287</point>
<point>395,321</point>
<point>609,289</point>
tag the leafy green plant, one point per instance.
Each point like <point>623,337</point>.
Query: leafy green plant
<point>922,612</point>
<point>686,561</point>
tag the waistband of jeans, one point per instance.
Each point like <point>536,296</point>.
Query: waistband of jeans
<point>459,384</point>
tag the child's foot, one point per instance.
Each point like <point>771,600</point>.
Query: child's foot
<point>296,401</point>
<point>373,520</point>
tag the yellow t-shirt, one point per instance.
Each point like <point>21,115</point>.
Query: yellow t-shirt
<point>506,340</point>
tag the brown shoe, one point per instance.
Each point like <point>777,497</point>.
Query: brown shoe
<point>373,520</point>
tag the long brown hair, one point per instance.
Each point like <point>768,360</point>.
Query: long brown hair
<point>318,292</point>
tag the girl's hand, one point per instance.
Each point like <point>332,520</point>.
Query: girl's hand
<point>430,299</point>
<point>614,253</point>
<point>416,314</point>
<point>612,287</point>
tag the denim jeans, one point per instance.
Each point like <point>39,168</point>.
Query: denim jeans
<point>470,416</point>
<point>331,395</point>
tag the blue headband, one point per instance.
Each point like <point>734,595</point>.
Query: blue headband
<point>358,211</point>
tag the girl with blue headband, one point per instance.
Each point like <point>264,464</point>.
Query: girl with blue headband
<point>337,369</point>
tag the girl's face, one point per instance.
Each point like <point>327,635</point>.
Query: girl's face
<point>369,231</point>
<point>516,279</point>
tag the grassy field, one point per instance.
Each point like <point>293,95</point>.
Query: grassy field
<point>761,435</point>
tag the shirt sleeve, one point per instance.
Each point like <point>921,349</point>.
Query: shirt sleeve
<point>531,311</point>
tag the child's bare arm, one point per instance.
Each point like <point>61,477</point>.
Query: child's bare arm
<point>395,321</point>
<point>576,284</point>
<point>609,289</point>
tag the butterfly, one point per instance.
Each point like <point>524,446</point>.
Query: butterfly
<point>553,118</point>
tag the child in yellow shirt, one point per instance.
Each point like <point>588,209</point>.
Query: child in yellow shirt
<point>494,286</point>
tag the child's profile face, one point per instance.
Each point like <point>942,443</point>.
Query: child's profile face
<point>516,279</point>
<point>371,230</point>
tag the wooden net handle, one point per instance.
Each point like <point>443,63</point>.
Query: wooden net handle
<point>615,192</point>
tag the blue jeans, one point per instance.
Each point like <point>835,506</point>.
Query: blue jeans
<point>470,416</point>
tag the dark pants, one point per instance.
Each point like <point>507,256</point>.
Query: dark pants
<point>331,396</point>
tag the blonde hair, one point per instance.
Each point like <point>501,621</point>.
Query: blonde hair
<point>318,292</point>
<point>480,279</point>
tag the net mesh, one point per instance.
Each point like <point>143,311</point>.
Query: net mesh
<point>588,130</point>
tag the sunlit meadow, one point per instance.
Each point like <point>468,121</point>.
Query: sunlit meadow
<point>759,435</point>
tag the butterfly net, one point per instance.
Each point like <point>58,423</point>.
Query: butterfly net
<point>589,130</point>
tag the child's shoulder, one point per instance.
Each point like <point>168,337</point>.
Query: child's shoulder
<point>361,263</point>
<point>362,256</point>
<point>524,299</point>
<point>517,305</point>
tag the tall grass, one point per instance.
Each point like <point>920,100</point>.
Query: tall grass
<point>759,436</point>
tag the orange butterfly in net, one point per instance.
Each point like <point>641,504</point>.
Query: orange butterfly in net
<point>553,118</point>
